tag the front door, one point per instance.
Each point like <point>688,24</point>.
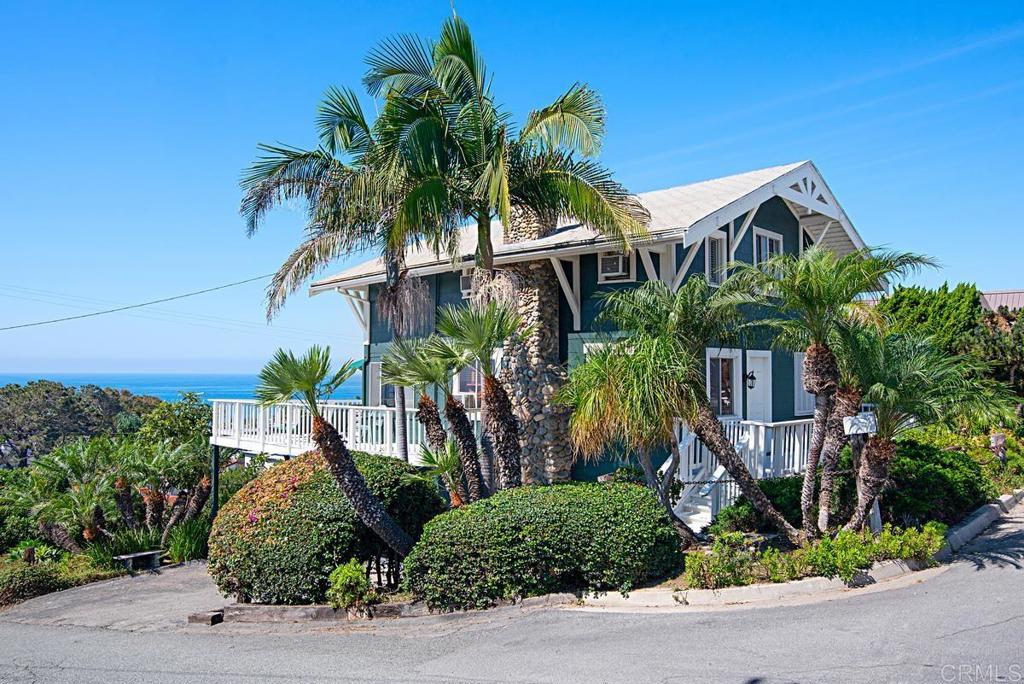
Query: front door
<point>759,399</point>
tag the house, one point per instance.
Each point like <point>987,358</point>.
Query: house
<point>695,228</point>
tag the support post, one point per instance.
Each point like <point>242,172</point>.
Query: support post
<point>214,481</point>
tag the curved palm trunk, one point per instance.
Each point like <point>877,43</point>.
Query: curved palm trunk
<point>177,511</point>
<point>430,418</point>
<point>465,440</point>
<point>197,499</point>
<point>60,537</point>
<point>401,428</point>
<point>821,377</point>
<point>125,505</point>
<point>504,428</point>
<point>687,537</point>
<point>871,477</point>
<point>709,429</point>
<point>367,506</point>
<point>153,500</point>
<point>846,405</point>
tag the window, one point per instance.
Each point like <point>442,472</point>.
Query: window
<point>615,267</point>
<point>466,283</point>
<point>468,384</point>
<point>804,402</point>
<point>724,381</point>
<point>766,245</point>
<point>714,258</point>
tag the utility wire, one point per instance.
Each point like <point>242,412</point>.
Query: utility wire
<point>135,306</point>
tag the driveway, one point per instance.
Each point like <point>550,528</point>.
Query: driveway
<point>965,624</point>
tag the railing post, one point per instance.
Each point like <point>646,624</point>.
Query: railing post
<point>389,431</point>
<point>238,423</point>
<point>261,427</point>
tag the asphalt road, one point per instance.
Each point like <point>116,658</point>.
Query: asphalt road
<point>964,624</point>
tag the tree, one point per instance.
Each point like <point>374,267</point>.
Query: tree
<point>810,296</point>
<point>949,316</point>
<point>309,379</point>
<point>409,362</point>
<point>1000,339</point>
<point>912,381</point>
<point>473,334</point>
<point>634,390</point>
<point>185,421</point>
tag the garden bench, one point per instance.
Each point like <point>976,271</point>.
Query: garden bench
<point>143,560</point>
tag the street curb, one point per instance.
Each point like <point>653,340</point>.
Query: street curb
<point>956,537</point>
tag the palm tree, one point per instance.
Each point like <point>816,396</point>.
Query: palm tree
<point>473,334</point>
<point>655,374</point>
<point>911,381</point>
<point>410,363</point>
<point>444,464</point>
<point>309,379</point>
<point>810,296</point>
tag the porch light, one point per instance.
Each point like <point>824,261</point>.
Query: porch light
<point>751,380</point>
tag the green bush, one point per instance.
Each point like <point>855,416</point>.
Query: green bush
<point>929,483</point>
<point>349,589</point>
<point>840,556</point>
<point>783,492</point>
<point>20,581</point>
<point>78,569</point>
<point>730,563</point>
<point>15,522</point>
<point>124,542</point>
<point>189,541</point>
<point>529,541</point>
<point>43,551</point>
<point>278,539</point>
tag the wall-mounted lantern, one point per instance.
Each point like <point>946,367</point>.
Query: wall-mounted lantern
<point>751,380</point>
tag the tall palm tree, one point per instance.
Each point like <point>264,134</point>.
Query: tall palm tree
<point>809,297</point>
<point>912,381</point>
<point>657,369</point>
<point>410,362</point>
<point>441,110</point>
<point>474,333</point>
<point>309,379</point>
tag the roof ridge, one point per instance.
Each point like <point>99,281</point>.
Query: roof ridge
<point>789,167</point>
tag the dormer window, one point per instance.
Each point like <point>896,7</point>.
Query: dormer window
<point>615,267</point>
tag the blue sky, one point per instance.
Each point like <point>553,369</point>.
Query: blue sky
<point>125,128</point>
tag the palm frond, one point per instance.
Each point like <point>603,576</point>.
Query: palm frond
<point>342,125</point>
<point>574,122</point>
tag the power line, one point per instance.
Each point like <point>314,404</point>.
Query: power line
<point>136,306</point>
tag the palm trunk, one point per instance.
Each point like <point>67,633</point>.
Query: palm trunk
<point>455,412</point>
<point>401,429</point>
<point>871,477</point>
<point>821,378</point>
<point>125,505</point>
<point>687,538</point>
<point>197,499</point>
<point>846,405</point>
<point>177,511</point>
<point>60,537</point>
<point>504,428</point>
<point>153,500</point>
<point>430,418</point>
<point>367,506</point>
<point>709,430</point>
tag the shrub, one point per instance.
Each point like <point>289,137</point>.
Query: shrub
<point>43,552</point>
<point>730,563</point>
<point>233,479</point>
<point>529,541</point>
<point>78,569</point>
<point>840,556</point>
<point>189,541</point>
<point>349,589</point>
<point>929,483</point>
<point>20,581</point>
<point>16,523</point>
<point>910,544</point>
<point>783,492</point>
<point>281,535</point>
<point>124,542</point>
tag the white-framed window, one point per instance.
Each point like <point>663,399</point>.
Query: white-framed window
<point>615,267</point>
<point>725,381</point>
<point>803,403</point>
<point>767,244</point>
<point>715,257</point>
<point>466,283</point>
<point>468,383</point>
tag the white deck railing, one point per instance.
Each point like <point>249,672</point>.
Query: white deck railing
<point>285,429</point>
<point>768,449</point>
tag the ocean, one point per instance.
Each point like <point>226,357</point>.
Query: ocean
<point>169,386</point>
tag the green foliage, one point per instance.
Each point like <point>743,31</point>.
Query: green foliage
<point>278,539</point>
<point>730,563</point>
<point>950,316</point>
<point>1000,340</point>
<point>783,492</point>
<point>529,541</point>
<point>122,543</point>
<point>189,541</point>
<point>349,589</point>
<point>20,581</point>
<point>44,553</point>
<point>840,556</point>
<point>233,479</point>
<point>183,421</point>
<point>16,522</point>
<point>78,569</point>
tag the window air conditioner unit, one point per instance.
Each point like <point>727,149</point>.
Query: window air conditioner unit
<point>470,401</point>
<point>466,283</point>
<point>613,265</point>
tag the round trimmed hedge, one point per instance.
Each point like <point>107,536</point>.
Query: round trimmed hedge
<point>529,541</point>
<point>278,539</point>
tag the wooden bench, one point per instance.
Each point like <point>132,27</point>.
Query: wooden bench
<point>143,560</point>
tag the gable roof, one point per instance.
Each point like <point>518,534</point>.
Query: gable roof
<point>685,213</point>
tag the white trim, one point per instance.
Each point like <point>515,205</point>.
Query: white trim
<point>630,277</point>
<point>760,354</point>
<point>798,388</point>
<point>690,254</point>
<point>739,384</point>
<point>771,234</point>
<point>358,300</point>
<point>571,292</point>
<point>716,279</point>
<point>374,385</point>
<point>645,257</point>
<point>747,220</point>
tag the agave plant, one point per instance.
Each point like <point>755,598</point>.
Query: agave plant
<point>472,334</point>
<point>309,378</point>
<point>810,296</point>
